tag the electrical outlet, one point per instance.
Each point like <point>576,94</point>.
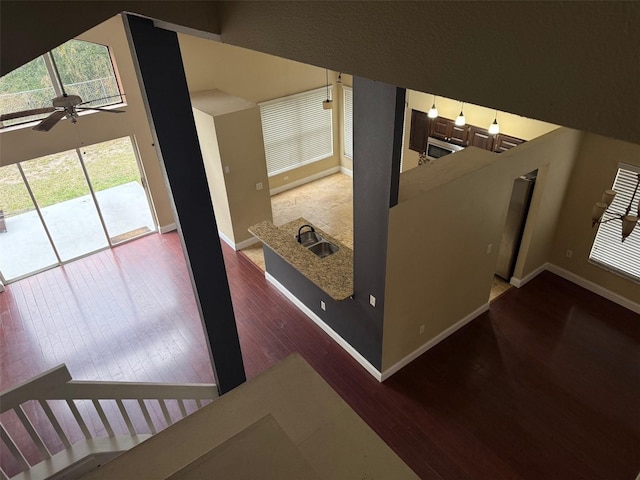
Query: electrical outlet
<point>569,253</point>
<point>421,329</point>
<point>323,306</point>
<point>227,169</point>
<point>489,247</point>
<point>259,186</point>
<point>372,300</point>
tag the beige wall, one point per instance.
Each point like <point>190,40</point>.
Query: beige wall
<point>438,269</point>
<point>513,125</point>
<point>242,150</point>
<point>24,144</point>
<point>230,135</point>
<point>595,171</point>
<point>257,77</point>
<point>213,167</point>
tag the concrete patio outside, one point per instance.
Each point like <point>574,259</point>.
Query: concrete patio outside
<point>75,228</point>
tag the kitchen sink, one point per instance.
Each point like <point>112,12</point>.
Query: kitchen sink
<point>323,248</point>
<point>315,242</point>
<point>307,239</point>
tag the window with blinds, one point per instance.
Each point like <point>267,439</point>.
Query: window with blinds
<point>347,121</point>
<point>608,249</point>
<point>296,130</point>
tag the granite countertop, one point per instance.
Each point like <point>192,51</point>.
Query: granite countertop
<point>332,274</point>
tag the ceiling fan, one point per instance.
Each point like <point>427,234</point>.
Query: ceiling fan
<point>63,106</point>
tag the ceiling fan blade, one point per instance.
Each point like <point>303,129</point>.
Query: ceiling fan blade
<point>49,122</point>
<point>26,113</point>
<point>100,109</point>
<point>101,98</point>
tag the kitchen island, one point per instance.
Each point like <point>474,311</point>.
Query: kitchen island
<point>333,274</point>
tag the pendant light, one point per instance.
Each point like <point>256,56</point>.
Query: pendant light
<point>460,120</point>
<point>328,103</point>
<point>494,128</point>
<point>433,112</point>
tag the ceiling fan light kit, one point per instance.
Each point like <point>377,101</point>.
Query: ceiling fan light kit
<point>628,220</point>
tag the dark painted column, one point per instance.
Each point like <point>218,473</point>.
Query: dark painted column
<point>378,117</point>
<point>158,62</point>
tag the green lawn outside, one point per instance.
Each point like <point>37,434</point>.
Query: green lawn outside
<point>57,178</point>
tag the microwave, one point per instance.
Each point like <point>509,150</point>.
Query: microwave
<point>437,148</point>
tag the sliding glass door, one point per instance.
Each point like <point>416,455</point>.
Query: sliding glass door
<point>69,212</point>
<point>24,244</point>
<point>60,207</point>
<point>117,181</point>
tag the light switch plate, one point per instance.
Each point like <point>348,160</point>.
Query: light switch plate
<point>259,186</point>
<point>323,306</point>
<point>372,300</point>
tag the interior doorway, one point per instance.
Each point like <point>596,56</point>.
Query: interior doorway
<point>65,206</point>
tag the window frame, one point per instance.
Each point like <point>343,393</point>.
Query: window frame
<point>58,88</point>
<point>608,235</point>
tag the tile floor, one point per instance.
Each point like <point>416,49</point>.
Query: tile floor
<point>327,203</point>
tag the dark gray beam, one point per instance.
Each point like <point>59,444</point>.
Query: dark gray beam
<point>158,62</point>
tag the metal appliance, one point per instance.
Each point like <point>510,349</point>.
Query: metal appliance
<point>515,223</point>
<point>437,148</point>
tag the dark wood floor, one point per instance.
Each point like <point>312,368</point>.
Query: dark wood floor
<point>546,385</point>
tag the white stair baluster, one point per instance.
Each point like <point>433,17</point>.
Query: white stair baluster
<point>125,415</point>
<point>54,422</point>
<point>78,417</point>
<point>28,426</point>
<point>12,447</point>
<point>103,417</point>
<point>147,417</point>
<point>165,412</point>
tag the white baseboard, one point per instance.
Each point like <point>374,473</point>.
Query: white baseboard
<point>327,329</point>
<point>519,282</point>
<point>302,181</point>
<point>240,245</point>
<point>594,287</point>
<point>346,171</point>
<point>247,243</point>
<point>168,228</point>
<point>435,340</point>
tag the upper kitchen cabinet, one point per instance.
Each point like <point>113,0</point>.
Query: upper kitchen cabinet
<point>419,131</point>
<point>505,142</point>
<point>481,138</point>
<point>446,129</point>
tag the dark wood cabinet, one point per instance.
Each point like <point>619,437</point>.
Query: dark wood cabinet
<point>446,129</point>
<point>459,135</point>
<point>440,128</point>
<point>419,131</point>
<point>505,142</point>
<point>423,127</point>
<point>481,138</point>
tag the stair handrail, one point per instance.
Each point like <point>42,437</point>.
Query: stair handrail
<point>57,384</point>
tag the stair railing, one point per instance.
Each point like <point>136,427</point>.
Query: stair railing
<point>57,385</point>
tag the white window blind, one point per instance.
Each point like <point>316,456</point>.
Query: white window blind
<point>347,121</point>
<point>296,130</point>
<point>608,250</point>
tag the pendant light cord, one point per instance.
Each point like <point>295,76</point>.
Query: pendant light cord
<point>326,71</point>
